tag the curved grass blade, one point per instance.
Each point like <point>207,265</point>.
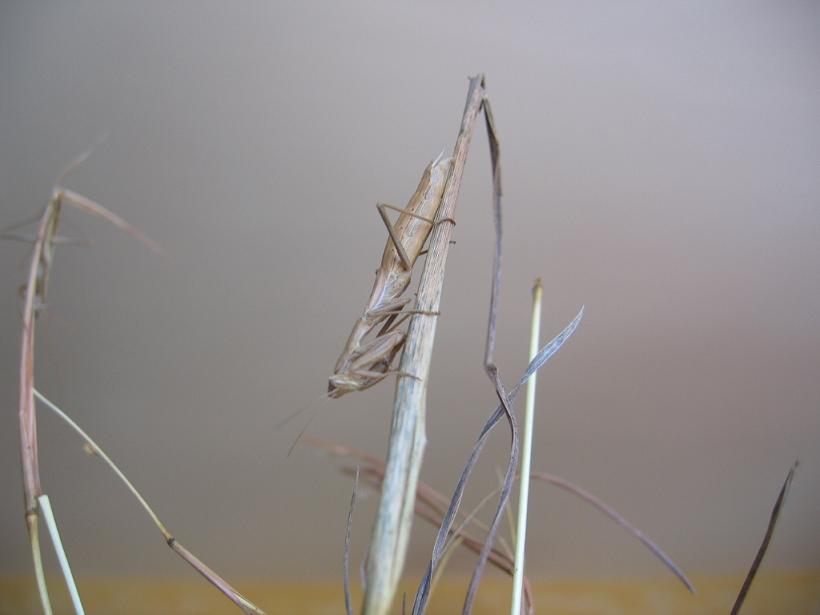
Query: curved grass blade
<point>542,357</point>
<point>778,505</point>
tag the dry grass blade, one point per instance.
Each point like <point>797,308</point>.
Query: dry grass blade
<point>430,507</point>
<point>613,514</point>
<point>346,556</point>
<point>245,605</point>
<point>492,373</point>
<point>504,495</point>
<point>778,506</point>
<point>221,584</point>
<point>498,557</point>
<point>178,548</point>
<point>489,364</point>
<point>495,289</point>
<point>449,551</point>
<point>89,206</point>
<point>35,291</point>
<point>542,357</point>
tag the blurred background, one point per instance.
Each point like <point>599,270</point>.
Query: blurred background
<point>661,167</point>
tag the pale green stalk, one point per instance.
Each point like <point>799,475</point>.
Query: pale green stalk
<point>37,556</point>
<point>526,456</point>
<point>51,524</point>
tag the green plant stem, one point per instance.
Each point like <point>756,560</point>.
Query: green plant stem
<point>526,455</point>
<point>32,521</point>
<point>62,558</point>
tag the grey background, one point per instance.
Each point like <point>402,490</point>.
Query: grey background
<point>660,165</point>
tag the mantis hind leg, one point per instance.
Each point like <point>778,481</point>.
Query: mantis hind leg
<point>391,231</point>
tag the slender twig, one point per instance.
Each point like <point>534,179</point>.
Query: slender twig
<point>526,455</point>
<point>243,603</point>
<point>407,440</point>
<point>62,558</point>
<point>767,537</point>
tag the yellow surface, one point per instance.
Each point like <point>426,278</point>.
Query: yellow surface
<point>773,593</point>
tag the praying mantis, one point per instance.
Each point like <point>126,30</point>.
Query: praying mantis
<point>366,361</point>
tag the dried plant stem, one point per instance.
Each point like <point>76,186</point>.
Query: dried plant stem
<point>767,537</point>
<point>95,449</point>
<point>502,410</point>
<point>618,518</point>
<point>526,455</point>
<point>62,558</point>
<point>431,505</point>
<point>407,441</point>
<point>34,299</point>
<point>243,603</point>
<point>42,254</point>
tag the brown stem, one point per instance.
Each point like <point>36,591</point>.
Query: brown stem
<point>391,529</point>
<point>29,459</point>
<point>34,298</point>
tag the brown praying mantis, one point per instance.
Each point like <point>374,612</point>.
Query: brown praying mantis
<point>366,360</point>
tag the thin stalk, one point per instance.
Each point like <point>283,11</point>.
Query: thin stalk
<point>95,449</point>
<point>37,557</point>
<point>526,454</point>
<point>62,558</point>
<point>391,529</point>
<point>41,259</point>
<point>243,603</point>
